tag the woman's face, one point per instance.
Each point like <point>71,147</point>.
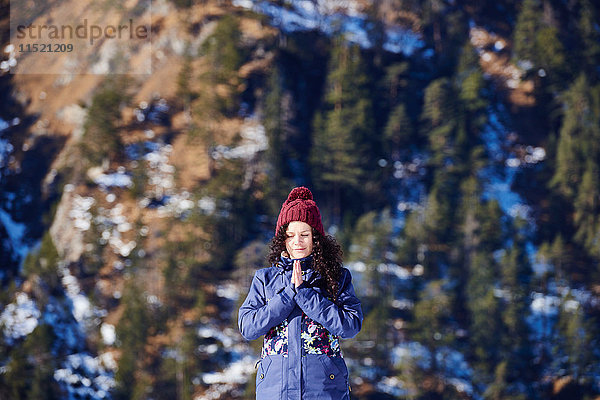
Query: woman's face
<point>299,240</point>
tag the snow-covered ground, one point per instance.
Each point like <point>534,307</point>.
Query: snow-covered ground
<point>19,319</point>
<point>504,164</point>
<point>111,222</point>
<point>80,374</point>
<point>16,231</point>
<point>10,62</point>
<point>84,312</point>
<point>450,363</point>
<point>16,234</point>
<point>115,179</point>
<point>254,140</point>
<point>328,16</point>
<point>411,193</point>
<point>236,372</point>
<point>83,376</point>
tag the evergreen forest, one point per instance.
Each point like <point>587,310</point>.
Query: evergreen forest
<point>453,148</point>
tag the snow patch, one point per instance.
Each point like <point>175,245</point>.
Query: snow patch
<point>59,315</point>
<point>207,205</point>
<point>11,63</point>
<point>75,115</point>
<point>80,212</point>
<point>117,179</point>
<point>452,364</point>
<point>347,16</point>
<point>84,376</point>
<point>108,334</point>
<point>16,233</point>
<point>112,223</point>
<point>19,319</point>
<point>545,304</point>
<point>228,291</point>
<point>394,270</point>
<point>392,386</point>
<point>254,140</point>
<point>237,372</point>
<point>224,336</point>
<point>83,310</point>
<point>176,205</point>
<point>160,172</point>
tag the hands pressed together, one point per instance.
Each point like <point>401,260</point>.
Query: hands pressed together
<point>297,274</point>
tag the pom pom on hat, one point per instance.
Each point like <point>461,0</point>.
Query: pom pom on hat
<point>300,206</point>
<point>299,193</point>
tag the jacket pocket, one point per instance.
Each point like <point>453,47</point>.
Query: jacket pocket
<point>326,377</point>
<point>269,378</point>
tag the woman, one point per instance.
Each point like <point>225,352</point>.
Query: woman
<point>302,305</point>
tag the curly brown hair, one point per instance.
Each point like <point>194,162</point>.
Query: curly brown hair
<point>327,257</point>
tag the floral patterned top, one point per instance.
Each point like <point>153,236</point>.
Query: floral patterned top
<point>315,339</point>
<point>276,340</point>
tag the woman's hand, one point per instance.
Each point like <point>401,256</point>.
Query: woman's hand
<point>297,274</point>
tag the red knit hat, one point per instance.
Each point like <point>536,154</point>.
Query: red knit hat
<point>300,206</point>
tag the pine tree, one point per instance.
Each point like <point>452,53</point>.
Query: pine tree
<point>370,245</point>
<point>375,29</point>
<point>472,110</point>
<point>439,120</point>
<point>439,212</point>
<point>587,210</point>
<point>40,346</point>
<point>550,51</point>
<point>577,160</point>
<point>481,236</point>
<point>101,140</point>
<point>132,332</point>
<point>184,83</point>
<point>225,49</point>
<point>15,382</point>
<point>398,132</point>
<point>588,43</point>
<point>226,54</point>
<point>395,80</point>
<point>578,336</point>
<point>43,385</point>
<point>525,32</point>
<point>343,142</point>
<point>579,136</point>
<point>516,346</point>
<point>412,239</point>
<point>484,310</point>
<point>43,265</point>
<point>277,123</point>
<point>430,325</point>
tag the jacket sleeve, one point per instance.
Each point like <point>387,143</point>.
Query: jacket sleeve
<point>342,318</point>
<point>258,315</point>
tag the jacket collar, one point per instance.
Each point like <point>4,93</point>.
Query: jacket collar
<point>308,273</point>
<point>288,263</point>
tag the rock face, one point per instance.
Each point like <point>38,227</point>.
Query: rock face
<point>66,237</point>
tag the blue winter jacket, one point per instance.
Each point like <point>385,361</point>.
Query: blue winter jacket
<point>300,358</point>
